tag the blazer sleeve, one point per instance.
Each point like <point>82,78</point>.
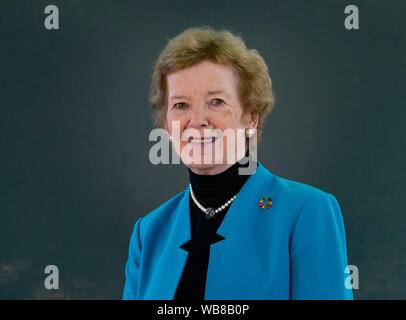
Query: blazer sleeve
<point>318,253</point>
<point>133,264</point>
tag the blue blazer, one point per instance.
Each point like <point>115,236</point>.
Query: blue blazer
<point>295,249</point>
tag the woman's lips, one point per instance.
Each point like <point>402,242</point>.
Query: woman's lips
<point>202,140</point>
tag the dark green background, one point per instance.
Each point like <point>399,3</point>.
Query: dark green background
<point>75,121</point>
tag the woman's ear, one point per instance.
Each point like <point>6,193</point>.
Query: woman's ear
<point>253,120</point>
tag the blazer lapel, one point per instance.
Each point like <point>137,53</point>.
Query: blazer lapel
<point>247,200</point>
<point>230,259</point>
<point>233,228</point>
<point>170,266</point>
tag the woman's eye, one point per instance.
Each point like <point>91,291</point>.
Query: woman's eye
<point>180,105</point>
<point>218,102</point>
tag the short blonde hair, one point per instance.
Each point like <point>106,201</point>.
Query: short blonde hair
<point>204,43</point>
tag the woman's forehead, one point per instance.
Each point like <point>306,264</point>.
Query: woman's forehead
<point>203,68</point>
<point>204,78</point>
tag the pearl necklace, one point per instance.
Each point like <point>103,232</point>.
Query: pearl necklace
<point>210,212</point>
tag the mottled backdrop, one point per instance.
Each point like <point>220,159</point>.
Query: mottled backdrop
<point>75,120</point>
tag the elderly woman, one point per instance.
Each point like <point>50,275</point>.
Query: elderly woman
<point>230,235</point>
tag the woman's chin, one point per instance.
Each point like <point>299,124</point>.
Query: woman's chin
<point>206,168</point>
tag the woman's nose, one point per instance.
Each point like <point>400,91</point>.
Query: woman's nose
<point>198,118</point>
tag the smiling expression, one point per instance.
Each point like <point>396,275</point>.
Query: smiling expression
<point>203,100</point>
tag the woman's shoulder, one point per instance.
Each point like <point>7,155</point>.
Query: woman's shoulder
<point>293,199</point>
<point>290,196</point>
<point>294,190</point>
<point>165,210</point>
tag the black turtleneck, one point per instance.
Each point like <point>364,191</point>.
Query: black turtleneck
<point>211,191</point>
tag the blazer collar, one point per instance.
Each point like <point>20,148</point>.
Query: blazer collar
<point>236,221</point>
<point>238,215</point>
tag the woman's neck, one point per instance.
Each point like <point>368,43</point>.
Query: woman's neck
<point>212,190</point>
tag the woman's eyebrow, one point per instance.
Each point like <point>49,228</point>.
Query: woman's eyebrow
<point>210,93</point>
<point>178,97</point>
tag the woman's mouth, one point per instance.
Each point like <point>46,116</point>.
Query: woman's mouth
<point>201,140</point>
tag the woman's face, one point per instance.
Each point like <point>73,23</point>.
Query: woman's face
<point>203,102</point>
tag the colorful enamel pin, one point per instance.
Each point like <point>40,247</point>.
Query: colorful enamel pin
<point>265,203</point>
